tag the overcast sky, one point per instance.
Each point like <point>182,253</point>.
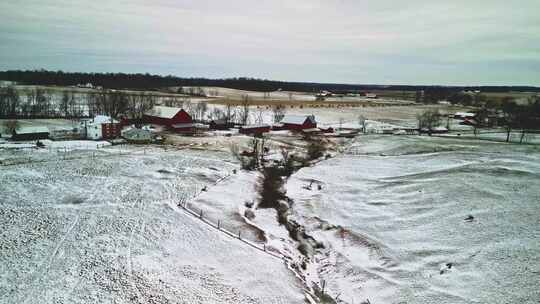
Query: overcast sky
<point>490,42</point>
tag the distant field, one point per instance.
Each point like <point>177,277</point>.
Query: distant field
<point>224,96</point>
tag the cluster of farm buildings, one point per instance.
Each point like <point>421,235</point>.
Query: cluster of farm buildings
<point>172,119</point>
<point>177,120</point>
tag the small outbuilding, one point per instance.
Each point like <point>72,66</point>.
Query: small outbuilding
<point>136,135</point>
<point>30,133</point>
<point>298,122</point>
<point>220,124</point>
<point>256,130</point>
<point>464,115</point>
<point>189,128</point>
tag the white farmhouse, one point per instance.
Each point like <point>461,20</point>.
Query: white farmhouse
<point>101,127</point>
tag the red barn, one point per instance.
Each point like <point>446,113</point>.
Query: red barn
<point>299,122</point>
<point>167,116</point>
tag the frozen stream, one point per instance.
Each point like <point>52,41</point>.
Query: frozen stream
<point>392,214</point>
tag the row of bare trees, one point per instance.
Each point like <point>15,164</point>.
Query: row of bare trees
<point>42,103</point>
<point>524,118</point>
<point>118,103</point>
<point>36,103</point>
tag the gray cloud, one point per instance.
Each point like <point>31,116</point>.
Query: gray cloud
<point>409,42</point>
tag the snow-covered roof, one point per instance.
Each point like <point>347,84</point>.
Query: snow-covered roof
<point>312,130</point>
<point>101,119</point>
<point>135,131</point>
<point>190,125</point>
<point>297,119</point>
<point>163,112</point>
<point>465,114</point>
<point>31,130</point>
<point>184,125</point>
<point>255,126</point>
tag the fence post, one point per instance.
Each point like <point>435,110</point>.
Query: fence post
<point>218,224</point>
<point>264,246</point>
<point>239,236</point>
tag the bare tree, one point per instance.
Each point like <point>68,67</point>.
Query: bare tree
<point>247,161</point>
<point>30,109</point>
<point>138,104</point>
<point>316,148</point>
<point>3,103</point>
<point>9,102</point>
<point>429,119</point>
<point>362,123</point>
<point>118,104</point>
<point>64,103</point>
<point>229,113</point>
<point>278,112</point>
<point>10,126</point>
<point>200,110</point>
<point>244,110</point>
<point>168,102</point>
<point>74,107</point>
<point>189,108</point>
<point>259,116</point>
<point>111,103</point>
<point>217,114</point>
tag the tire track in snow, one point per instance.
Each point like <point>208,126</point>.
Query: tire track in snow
<point>141,218</point>
<point>41,273</point>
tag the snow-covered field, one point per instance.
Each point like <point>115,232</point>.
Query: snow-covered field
<point>392,212</point>
<point>107,230</point>
<point>83,221</point>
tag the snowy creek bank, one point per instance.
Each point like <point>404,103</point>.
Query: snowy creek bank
<point>424,220</point>
<point>253,203</point>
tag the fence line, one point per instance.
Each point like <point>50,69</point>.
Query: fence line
<point>65,153</point>
<point>184,205</point>
<point>199,214</point>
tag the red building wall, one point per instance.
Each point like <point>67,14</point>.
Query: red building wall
<point>180,117</point>
<point>256,131</point>
<point>306,125</point>
<point>110,130</point>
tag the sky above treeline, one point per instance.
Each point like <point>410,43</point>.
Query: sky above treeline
<point>458,42</point>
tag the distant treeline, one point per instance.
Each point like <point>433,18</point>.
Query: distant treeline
<point>149,82</point>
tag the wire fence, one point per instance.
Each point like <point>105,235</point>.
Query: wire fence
<point>221,226</point>
<point>242,234</point>
<point>32,154</point>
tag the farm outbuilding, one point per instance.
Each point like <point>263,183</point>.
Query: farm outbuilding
<point>254,129</point>
<point>298,122</point>
<point>167,116</point>
<point>30,133</point>
<point>136,135</point>
<point>189,128</point>
<point>464,115</point>
<point>220,124</point>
